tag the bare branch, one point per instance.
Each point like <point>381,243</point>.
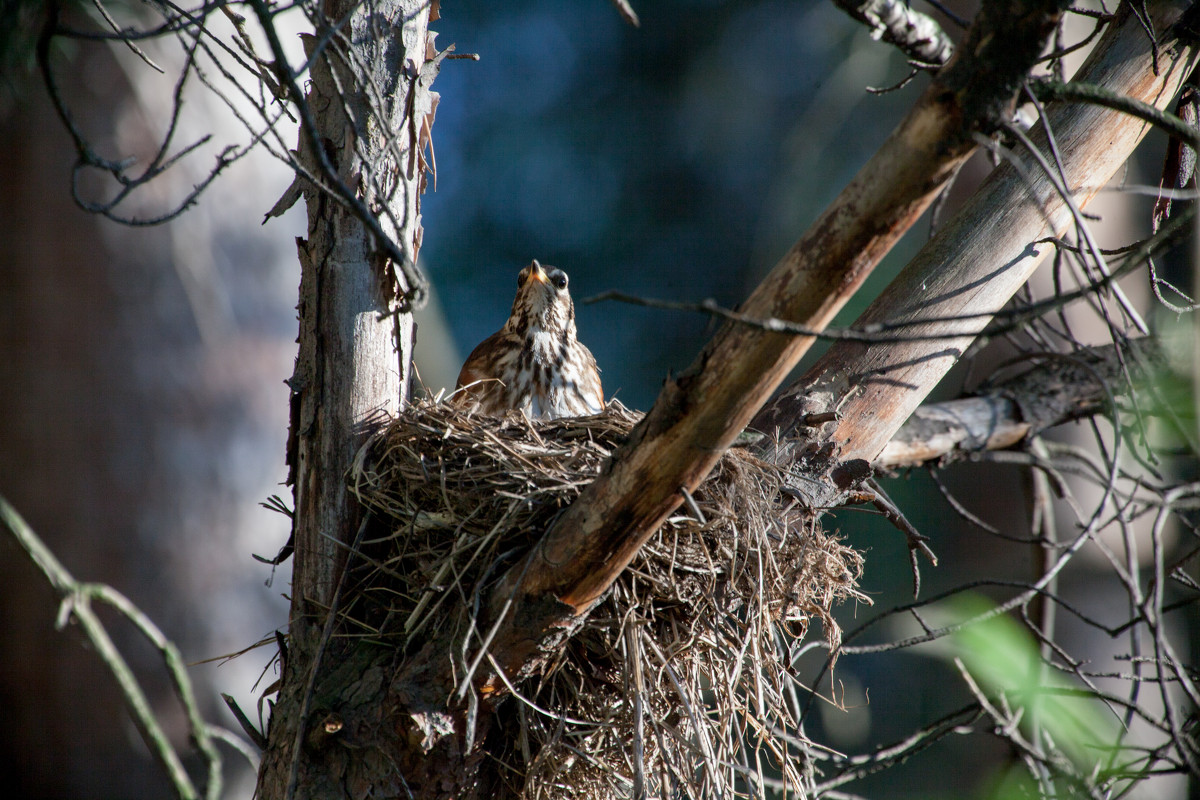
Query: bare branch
<point>119,170</point>
<point>1079,92</point>
<point>112,23</point>
<point>977,261</point>
<point>1057,390</point>
<point>917,543</point>
<point>917,35</point>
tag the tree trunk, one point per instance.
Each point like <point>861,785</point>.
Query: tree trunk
<point>356,336</point>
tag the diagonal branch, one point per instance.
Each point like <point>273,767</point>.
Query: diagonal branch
<point>975,264</point>
<point>1080,92</point>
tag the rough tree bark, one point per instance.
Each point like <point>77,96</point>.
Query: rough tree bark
<point>356,333</point>
<point>1054,391</point>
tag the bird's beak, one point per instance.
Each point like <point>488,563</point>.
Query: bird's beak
<point>537,273</point>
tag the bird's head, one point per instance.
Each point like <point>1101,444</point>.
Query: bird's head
<point>542,301</point>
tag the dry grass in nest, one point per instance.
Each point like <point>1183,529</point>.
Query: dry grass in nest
<point>678,684</point>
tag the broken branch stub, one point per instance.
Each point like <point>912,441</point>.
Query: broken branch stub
<point>1057,389</point>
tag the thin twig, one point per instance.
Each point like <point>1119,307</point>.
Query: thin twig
<point>915,540</point>
<point>1048,90</point>
<point>417,292</point>
<point>76,600</point>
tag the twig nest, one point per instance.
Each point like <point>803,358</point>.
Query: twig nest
<point>680,674</point>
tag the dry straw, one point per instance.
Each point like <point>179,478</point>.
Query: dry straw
<point>679,685</point>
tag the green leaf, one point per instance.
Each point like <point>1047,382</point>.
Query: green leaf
<point>1054,710</point>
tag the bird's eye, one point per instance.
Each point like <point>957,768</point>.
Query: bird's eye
<point>522,276</point>
<point>559,279</point>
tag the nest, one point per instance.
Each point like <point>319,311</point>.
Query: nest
<point>679,683</point>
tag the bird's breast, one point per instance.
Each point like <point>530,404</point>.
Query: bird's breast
<point>546,348</point>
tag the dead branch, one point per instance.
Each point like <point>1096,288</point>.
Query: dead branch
<point>917,35</point>
<point>1057,389</point>
<point>916,541</point>
<point>1082,92</point>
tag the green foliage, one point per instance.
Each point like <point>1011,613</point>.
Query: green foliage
<point>1049,717</point>
<point>19,28</point>
<point>1173,387</point>
<point>1004,660</point>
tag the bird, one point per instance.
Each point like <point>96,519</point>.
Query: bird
<point>534,364</point>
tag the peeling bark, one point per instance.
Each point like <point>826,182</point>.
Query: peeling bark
<point>371,106</point>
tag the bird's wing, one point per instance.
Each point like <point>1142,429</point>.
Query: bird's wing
<point>481,364</point>
<point>592,389</point>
